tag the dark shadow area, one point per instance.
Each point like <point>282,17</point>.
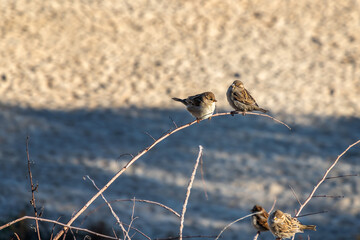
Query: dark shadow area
<point>247,160</point>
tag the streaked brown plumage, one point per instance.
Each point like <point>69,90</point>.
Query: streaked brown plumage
<point>201,106</point>
<point>283,226</point>
<point>240,99</point>
<point>259,220</point>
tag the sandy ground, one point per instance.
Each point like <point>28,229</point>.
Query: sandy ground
<point>86,79</point>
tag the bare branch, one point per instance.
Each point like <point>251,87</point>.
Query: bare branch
<point>342,176</point>
<point>17,236</point>
<point>126,235</point>
<point>130,200</point>
<point>322,180</point>
<point>252,113</point>
<point>150,136</point>
<point>33,188</point>
<point>135,158</point>
<point>309,214</point>
<point>132,216</point>
<point>324,177</point>
<point>237,220</point>
<point>176,126</point>
<point>52,230</point>
<point>257,235</point>
<point>293,191</point>
<point>188,192</point>
<point>56,222</point>
<point>327,196</point>
<point>273,206</point>
<point>202,178</point>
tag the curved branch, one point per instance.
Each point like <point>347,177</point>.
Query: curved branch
<point>55,222</point>
<point>324,178</point>
<point>61,232</point>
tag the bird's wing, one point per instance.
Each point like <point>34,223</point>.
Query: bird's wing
<point>262,220</point>
<point>245,97</point>
<point>196,100</point>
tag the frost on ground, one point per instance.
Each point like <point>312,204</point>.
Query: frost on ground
<point>247,160</point>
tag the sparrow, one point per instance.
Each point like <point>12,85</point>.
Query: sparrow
<point>283,226</point>
<point>201,106</point>
<point>259,220</point>
<point>240,99</point>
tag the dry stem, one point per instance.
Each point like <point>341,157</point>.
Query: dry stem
<point>322,180</point>
<point>56,222</point>
<point>188,192</point>
<point>126,234</point>
<point>61,232</point>
<point>136,200</point>
<point>239,219</point>
<point>33,188</point>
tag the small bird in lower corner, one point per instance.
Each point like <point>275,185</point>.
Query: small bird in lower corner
<point>283,226</point>
<point>259,220</point>
<point>201,106</point>
<point>241,100</point>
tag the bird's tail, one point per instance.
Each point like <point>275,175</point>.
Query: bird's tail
<point>179,100</point>
<point>309,227</point>
<point>262,110</point>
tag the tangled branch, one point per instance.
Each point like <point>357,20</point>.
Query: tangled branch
<point>61,232</point>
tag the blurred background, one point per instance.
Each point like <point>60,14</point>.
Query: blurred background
<point>86,79</point>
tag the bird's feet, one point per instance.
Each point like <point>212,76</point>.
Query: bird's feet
<point>233,113</point>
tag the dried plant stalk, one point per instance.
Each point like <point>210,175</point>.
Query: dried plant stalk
<point>188,192</point>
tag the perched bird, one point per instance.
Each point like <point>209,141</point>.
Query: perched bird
<point>282,225</point>
<point>259,220</point>
<point>201,106</point>
<point>240,99</point>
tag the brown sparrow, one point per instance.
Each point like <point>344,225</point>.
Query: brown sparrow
<point>201,106</point>
<point>259,220</point>
<point>240,99</point>
<point>282,225</point>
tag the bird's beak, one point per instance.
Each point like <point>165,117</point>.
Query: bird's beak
<point>215,100</point>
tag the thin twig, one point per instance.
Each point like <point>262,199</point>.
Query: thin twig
<point>56,222</point>
<point>33,188</point>
<point>150,136</point>
<point>324,177</point>
<point>328,196</point>
<point>126,234</point>
<point>61,232</point>
<point>17,236</point>
<point>52,230</point>
<point>309,214</point>
<point>273,206</point>
<point>129,200</point>
<point>132,216</point>
<point>237,220</point>
<point>176,126</point>
<point>202,178</point>
<point>322,180</point>
<point>137,230</point>
<point>342,176</point>
<point>257,235</point>
<point>253,113</point>
<point>188,192</point>
<point>293,191</point>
